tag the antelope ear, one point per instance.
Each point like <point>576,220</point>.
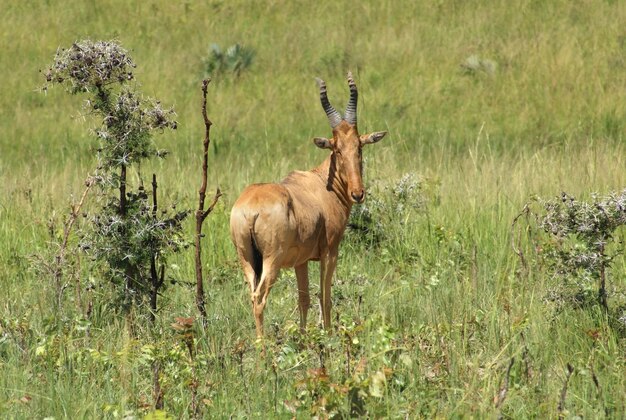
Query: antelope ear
<point>322,143</point>
<point>373,138</point>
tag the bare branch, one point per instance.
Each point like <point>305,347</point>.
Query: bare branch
<point>216,197</point>
<point>205,143</point>
<point>202,214</point>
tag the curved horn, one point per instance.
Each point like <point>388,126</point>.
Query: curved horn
<point>333,116</point>
<point>351,108</point>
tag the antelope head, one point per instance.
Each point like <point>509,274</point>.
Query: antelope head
<point>346,143</point>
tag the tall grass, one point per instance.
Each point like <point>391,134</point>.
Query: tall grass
<point>445,287</point>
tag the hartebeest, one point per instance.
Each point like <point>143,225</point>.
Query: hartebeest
<point>302,218</point>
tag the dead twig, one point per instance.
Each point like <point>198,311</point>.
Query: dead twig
<point>156,386</point>
<point>517,246</point>
<point>561,406</point>
<point>67,229</point>
<point>505,388</point>
<point>201,213</point>
<point>525,358</point>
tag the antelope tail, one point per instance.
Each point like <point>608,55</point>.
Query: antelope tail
<point>257,257</point>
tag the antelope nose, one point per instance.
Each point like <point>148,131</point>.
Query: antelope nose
<point>358,197</point>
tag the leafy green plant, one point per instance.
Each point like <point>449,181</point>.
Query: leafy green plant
<point>234,60</point>
<point>358,363</point>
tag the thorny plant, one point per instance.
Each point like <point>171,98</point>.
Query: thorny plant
<point>128,239</point>
<point>386,208</point>
<point>126,245</point>
<point>88,64</point>
<point>581,244</point>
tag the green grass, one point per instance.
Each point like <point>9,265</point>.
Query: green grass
<point>444,302</point>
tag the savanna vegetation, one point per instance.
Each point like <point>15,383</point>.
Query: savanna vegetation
<point>483,277</point>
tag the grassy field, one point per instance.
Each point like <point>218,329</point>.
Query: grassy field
<point>439,318</point>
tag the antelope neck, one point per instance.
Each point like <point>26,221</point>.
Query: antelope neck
<point>335,181</point>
